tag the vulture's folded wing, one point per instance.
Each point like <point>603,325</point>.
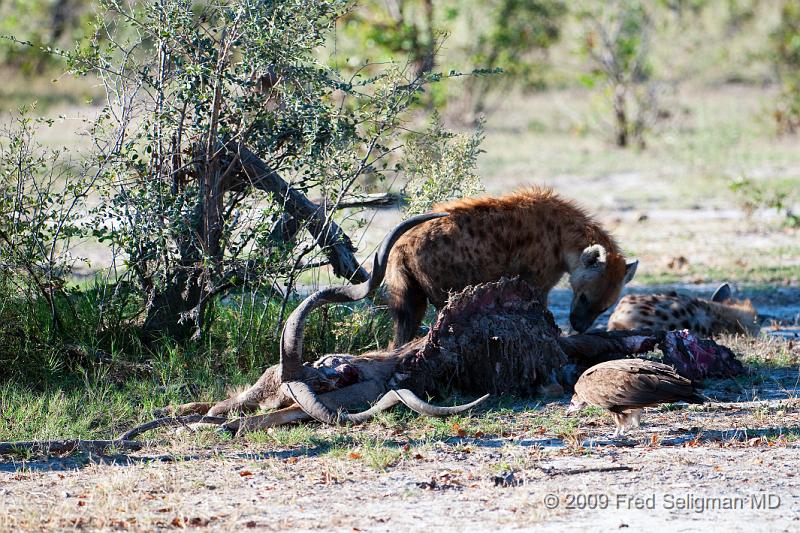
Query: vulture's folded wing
<point>628,384</point>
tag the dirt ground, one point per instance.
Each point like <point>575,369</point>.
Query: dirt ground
<point>724,465</point>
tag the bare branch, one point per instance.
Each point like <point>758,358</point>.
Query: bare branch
<point>372,201</point>
<point>67,446</point>
<point>336,245</point>
<point>171,421</point>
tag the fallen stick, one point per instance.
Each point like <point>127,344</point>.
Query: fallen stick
<point>67,446</point>
<point>124,441</point>
<point>552,472</point>
<point>172,421</point>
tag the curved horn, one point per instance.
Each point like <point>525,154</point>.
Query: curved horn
<point>291,350</point>
<point>418,405</point>
<point>308,401</point>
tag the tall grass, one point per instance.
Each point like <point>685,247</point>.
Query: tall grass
<point>98,376</point>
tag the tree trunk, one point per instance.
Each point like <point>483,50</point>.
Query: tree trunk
<point>178,310</point>
<point>175,311</point>
<point>427,50</point>
<point>621,116</point>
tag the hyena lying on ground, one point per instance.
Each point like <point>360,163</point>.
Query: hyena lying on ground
<point>534,234</point>
<point>671,311</point>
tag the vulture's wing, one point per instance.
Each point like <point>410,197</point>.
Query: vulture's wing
<point>633,383</point>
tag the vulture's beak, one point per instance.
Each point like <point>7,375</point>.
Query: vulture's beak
<point>575,406</point>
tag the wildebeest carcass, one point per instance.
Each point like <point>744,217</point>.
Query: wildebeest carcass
<point>494,338</point>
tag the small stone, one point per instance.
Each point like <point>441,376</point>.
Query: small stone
<point>506,479</point>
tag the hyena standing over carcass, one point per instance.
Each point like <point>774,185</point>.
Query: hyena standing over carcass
<point>671,311</point>
<point>534,234</point>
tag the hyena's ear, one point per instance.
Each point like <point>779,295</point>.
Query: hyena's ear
<point>593,256</point>
<point>722,294</point>
<point>630,271</point>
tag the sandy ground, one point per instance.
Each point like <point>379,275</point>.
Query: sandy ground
<point>730,463</point>
<point>684,470</point>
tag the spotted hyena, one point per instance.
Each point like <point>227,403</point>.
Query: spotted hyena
<point>671,311</point>
<point>534,234</point>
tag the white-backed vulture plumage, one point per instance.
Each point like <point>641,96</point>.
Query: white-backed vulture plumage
<point>626,386</point>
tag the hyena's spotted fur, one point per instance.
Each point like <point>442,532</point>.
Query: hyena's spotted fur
<point>534,234</point>
<point>671,311</point>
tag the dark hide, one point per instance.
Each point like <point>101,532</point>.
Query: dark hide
<point>698,359</point>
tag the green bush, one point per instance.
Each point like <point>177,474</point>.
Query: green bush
<point>33,28</point>
<point>193,241</point>
<point>441,166</point>
<point>786,44</point>
<point>192,83</point>
<point>617,39</point>
<point>503,42</point>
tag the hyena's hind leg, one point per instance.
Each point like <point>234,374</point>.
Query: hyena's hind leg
<point>407,303</point>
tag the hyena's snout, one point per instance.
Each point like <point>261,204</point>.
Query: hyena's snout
<point>581,320</point>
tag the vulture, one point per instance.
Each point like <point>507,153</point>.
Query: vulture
<point>625,386</point>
